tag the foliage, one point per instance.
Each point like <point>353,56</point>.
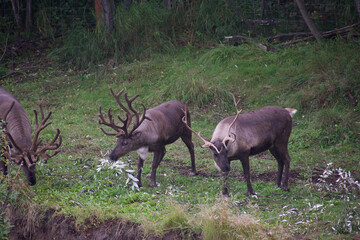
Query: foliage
<point>120,168</point>
<point>5,226</point>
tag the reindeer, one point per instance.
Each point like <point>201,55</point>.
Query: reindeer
<point>151,132</point>
<point>18,133</point>
<point>240,136</point>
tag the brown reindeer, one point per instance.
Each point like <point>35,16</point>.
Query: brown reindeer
<point>25,149</point>
<point>243,135</point>
<point>151,132</point>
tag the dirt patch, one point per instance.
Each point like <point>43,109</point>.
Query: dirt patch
<point>56,226</point>
<point>270,176</point>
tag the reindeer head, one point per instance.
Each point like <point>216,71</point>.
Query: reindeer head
<point>31,155</point>
<point>219,148</point>
<point>126,140</point>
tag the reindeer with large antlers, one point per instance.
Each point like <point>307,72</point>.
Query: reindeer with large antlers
<point>25,149</point>
<point>150,132</point>
<point>243,135</point>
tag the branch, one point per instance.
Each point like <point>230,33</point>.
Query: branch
<point>250,40</point>
<point>330,33</point>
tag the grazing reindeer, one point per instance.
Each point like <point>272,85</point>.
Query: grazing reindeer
<point>238,137</point>
<point>18,132</point>
<point>156,128</point>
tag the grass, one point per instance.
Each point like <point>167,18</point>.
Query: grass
<point>326,129</point>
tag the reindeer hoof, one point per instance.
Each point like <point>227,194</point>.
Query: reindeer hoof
<point>152,184</point>
<point>225,192</point>
<point>250,193</point>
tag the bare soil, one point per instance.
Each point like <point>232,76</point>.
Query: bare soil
<point>55,226</point>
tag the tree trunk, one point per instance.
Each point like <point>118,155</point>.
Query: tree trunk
<point>28,19</point>
<point>98,15</point>
<point>167,3</point>
<point>308,20</point>
<point>262,6</point>
<point>16,9</point>
<point>108,14</point>
<point>357,3</point>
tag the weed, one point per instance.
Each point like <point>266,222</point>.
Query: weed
<point>120,167</point>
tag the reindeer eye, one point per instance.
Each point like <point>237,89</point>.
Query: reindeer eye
<point>124,143</point>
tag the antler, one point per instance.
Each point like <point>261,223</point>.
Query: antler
<point>111,123</point>
<point>130,113</point>
<point>207,144</point>
<point>50,146</point>
<point>228,138</point>
<point>53,145</point>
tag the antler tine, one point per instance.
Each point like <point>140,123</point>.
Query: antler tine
<point>139,120</point>
<point>39,128</point>
<point>111,122</point>
<point>52,145</point>
<point>117,98</point>
<point>227,138</point>
<point>207,144</point>
<point>135,113</point>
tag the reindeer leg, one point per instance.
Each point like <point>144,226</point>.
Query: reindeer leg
<point>158,156</point>
<point>143,153</point>
<point>275,153</point>
<point>140,168</point>
<point>189,144</point>
<point>246,168</point>
<point>282,156</point>
<point>225,191</point>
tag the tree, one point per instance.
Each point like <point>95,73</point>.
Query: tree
<point>308,20</point>
<point>17,6</point>
<point>28,18</point>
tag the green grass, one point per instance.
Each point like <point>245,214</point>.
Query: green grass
<point>311,77</point>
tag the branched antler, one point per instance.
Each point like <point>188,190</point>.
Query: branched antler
<point>52,145</point>
<point>130,112</point>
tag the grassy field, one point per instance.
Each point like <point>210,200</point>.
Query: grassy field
<point>323,201</point>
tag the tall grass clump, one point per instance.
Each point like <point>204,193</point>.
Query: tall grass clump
<point>141,30</point>
<point>219,222</point>
<point>83,48</point>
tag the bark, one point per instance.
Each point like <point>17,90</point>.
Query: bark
<point>167,3</point>
<point>16,9</point>
<point>28,19</point>
<point>357,3</point>
<point>262,5</point>
<point>98,11</point>
<point>308,20</point>
<point>108,14</point>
